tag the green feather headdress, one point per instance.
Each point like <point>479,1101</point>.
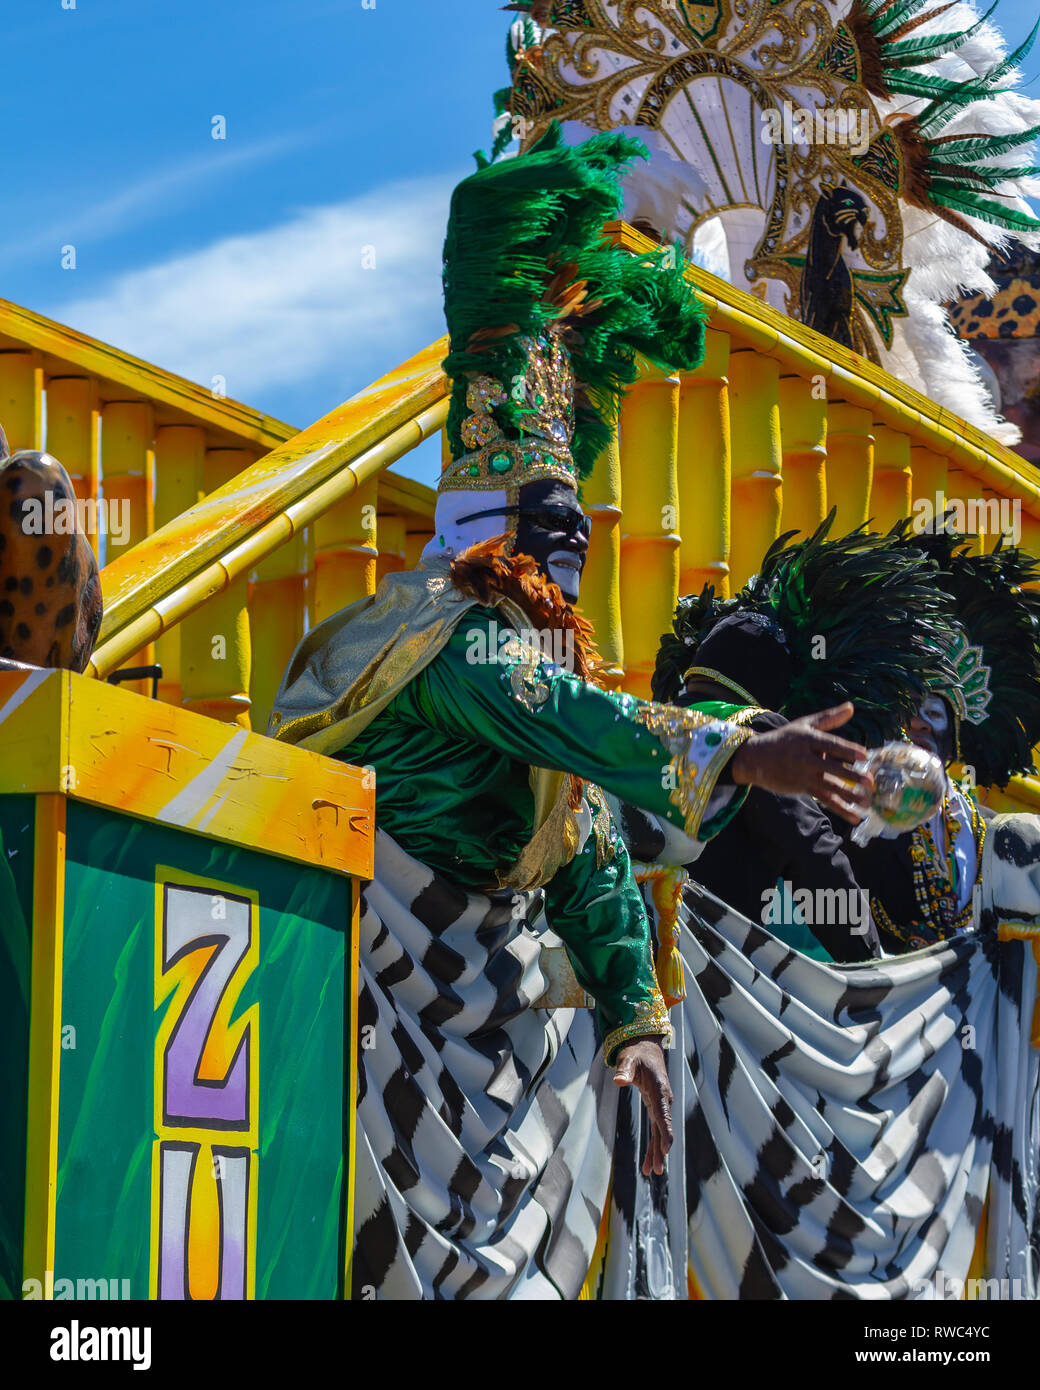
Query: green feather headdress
<point>888,57</point>
<point>945,174</point>
<point>1001,618</point>
<point>864,618</point>
<point>526,268</point>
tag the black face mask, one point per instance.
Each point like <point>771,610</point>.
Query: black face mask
<point>554,531</point>
<point>552,528</point>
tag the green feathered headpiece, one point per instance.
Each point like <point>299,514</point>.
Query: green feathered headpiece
<point>546,317</point>
<point>862,617</point>
<point>996,685</point>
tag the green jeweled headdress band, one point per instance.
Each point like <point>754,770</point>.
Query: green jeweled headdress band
<point>545,395</point>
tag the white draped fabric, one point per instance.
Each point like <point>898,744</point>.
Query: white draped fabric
<point>840,1130</point>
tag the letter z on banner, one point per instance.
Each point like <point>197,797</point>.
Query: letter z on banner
<point>204,1157</point>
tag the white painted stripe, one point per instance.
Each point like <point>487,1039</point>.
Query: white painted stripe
<point>190,800</point>
<point>31,684</point>
<point>204,822</point>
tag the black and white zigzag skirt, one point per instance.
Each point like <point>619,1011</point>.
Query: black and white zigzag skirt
<point>485,1126</point>
<point>840,1130</point>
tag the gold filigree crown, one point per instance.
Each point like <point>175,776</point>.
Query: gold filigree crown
<point>543,398</point>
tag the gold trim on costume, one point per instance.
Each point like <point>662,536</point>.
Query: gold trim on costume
<point>601,825</point>
<point>651,1020</point>
<point>933,886</point>
<point>525,685</point>
<point>546,396</point>
<point>722,680</point>
<point>349,668</point>
<point>677,730</point>
<point>553,844</point>
<point>745,716</point>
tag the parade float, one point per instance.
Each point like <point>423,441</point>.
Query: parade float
<point>180,894</point>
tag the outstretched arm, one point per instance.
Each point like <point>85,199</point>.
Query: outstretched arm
<point>661,758</point>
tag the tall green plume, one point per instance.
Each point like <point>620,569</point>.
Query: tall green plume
<point>524,251</point>
<point>944,174</point>
<point>947,175</point>
<point>946,102</point>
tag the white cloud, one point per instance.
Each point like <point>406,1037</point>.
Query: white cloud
<point>145,200</point>
<point>292,303</point>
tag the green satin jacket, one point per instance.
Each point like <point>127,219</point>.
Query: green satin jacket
<point>452,754</point>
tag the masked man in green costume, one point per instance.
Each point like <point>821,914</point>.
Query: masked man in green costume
<point>469,686</point>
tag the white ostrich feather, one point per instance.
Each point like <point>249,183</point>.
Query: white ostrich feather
<point>946,369</point>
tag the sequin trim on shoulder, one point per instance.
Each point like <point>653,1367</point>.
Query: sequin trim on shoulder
<point>699,747</point>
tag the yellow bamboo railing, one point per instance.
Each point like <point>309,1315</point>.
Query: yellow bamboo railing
<point>803,418</point>
<point>231,531</point>
<point>153,443</point>
<point>777,425</point>
<point>705,475</point>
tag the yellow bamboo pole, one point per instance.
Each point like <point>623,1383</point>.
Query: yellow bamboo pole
<point>216,647</point>
<point>601,581</point>
<point>235,557</point>
<point>757,481</point>
<point>803,430</point>
<point>346,540</point>
<point>1029,534</point>
<point>892,491</point>
<point>127,433</point>
<point>850,464</point>
<point>127,477</point>
<point>416,543</point>
<point>705,459</point>
<point>930,476</point>
<point>393,546</point>
<point>72,436</point>
<point>21,399</point>
<point>965,496</point>
<point>995,510</point>
<point>650,523</point>
<point>277,605</point>
<point>180,452</point>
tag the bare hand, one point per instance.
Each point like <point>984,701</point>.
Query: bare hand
<point>802,760</point>
<point>642,1064</point>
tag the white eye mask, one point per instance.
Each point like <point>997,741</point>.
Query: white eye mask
<point>451,539</point>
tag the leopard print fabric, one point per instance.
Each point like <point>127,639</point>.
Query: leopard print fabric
<point>50,592</point>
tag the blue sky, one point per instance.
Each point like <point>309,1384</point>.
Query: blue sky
<point>347,126</point>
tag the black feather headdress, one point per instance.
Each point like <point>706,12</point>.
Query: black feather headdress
<point>863,619</point>
<point>995,688</point>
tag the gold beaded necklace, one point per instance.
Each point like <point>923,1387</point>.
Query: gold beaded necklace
<point>935,884</point>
